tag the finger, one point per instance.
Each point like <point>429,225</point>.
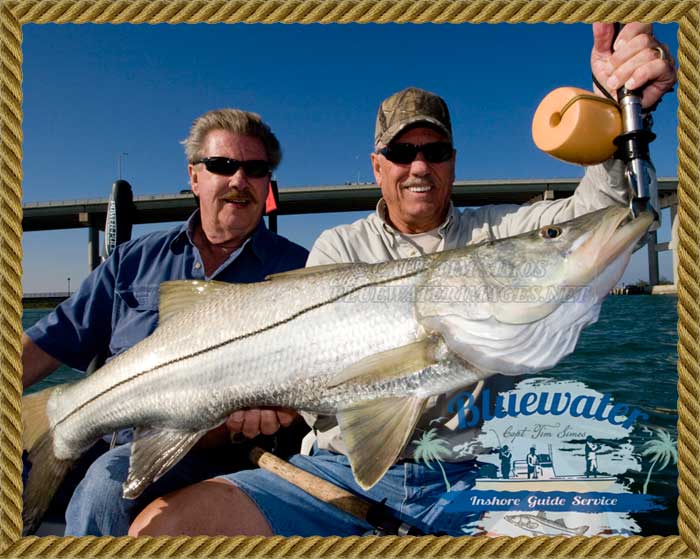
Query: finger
<point>631,32</point>
<point>251,423</point>
<point>627,50</point>
<point>656,76</point>
<point>652,93</point>
<point>602,38</point>
<point>601,54</point>
<point>234,423</point>
<point>647,74</point>
<point>286,416</point>
<point>642,67</point>
<point>268,422</point>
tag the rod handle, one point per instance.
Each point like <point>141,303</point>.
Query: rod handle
<point>313,485</point>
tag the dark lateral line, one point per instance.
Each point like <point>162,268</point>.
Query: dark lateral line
<point>232,340</point>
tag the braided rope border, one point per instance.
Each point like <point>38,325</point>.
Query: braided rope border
<point>14,13</point>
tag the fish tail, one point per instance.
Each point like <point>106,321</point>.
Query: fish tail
<point>35,420</point>
<point>47,471</point>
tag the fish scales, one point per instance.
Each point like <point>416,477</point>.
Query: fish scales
<point>149,393</point>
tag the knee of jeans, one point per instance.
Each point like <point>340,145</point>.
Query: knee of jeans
<point>104,478</point>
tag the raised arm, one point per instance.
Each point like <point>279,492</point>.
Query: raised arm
<point>36,363</point>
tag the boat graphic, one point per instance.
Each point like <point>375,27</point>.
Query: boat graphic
<point>547,479</point>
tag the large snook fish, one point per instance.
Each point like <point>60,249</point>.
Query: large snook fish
<point>367,342</point>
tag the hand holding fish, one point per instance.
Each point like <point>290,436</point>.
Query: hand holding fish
<point>255,421</point>
<point>638,59</point>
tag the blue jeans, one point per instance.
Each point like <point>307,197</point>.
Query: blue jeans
<point>412,491</point>
<point>97,507</point>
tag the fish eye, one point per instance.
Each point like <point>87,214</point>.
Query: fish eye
<point>550,232</point>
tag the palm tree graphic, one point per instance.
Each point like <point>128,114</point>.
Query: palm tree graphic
<point>662,449</point>
<point>428,448</point>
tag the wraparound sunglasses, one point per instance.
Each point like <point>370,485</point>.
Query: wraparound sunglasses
<point>254,168</point>
<point>434,152</point>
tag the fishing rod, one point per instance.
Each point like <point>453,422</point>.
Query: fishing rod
<point>119,220</point>
<point>497,438</point>
<point>633,147</point>
<point>376,514</point>
<point>118,225</point>
<point>580,127</point>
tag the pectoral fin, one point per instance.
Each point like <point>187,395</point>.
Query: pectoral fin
<point>153,453</point>
<point>393,363</point>
<point>375,432</point>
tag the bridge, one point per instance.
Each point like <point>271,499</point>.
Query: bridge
<point>91,213</point>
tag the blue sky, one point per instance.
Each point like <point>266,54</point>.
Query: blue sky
<point>93,92</point>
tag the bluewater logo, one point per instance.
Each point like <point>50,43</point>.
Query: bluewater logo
<point>544,403</point>
<point>555,457</point>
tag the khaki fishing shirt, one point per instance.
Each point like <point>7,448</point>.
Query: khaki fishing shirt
<point>373,240</point>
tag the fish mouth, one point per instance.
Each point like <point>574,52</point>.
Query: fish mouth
<point>616,235</point>
<point>626,231</point>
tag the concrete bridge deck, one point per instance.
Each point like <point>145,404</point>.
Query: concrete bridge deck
<point>91,213</point>
<point>70,214</point>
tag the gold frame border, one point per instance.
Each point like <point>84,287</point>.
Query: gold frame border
<point>15,13</point>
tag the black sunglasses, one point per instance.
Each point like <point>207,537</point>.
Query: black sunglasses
<point>434,152</point>
<point>254,168</point>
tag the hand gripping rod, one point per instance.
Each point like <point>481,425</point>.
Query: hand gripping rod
<point>633,149</point>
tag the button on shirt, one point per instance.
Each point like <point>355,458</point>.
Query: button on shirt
<point>117,304</point>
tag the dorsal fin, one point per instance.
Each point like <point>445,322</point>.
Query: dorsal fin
<point>301,272</point>
<point>178,295</point>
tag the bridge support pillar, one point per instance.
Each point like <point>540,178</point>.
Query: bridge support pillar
<point>653,259</point>
<point>93,247</point>
<point>673,245</point>
<point>89,219</point>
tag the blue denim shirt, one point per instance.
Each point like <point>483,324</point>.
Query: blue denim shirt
<point>117,304</point>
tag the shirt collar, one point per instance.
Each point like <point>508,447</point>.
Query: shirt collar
<point>261,239</point>
<point>186,232</point>
<point>442,230</point>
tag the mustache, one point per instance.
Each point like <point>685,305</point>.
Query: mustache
<point>240,196</point>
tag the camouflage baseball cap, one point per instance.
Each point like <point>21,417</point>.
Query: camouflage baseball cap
<point>407,107</point>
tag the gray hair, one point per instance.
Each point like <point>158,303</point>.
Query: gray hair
<point>236,121</point>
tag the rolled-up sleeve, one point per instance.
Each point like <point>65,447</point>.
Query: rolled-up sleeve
<point>80,327</point>
<point>602,186</point>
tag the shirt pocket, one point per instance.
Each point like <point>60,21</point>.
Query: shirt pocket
<point>136,316</point>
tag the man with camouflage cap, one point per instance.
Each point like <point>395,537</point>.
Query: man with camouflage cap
<point>414,165</point>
